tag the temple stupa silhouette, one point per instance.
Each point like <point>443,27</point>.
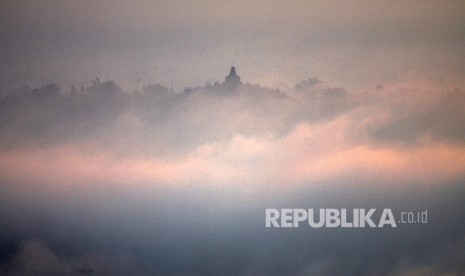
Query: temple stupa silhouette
<point>232,80</point>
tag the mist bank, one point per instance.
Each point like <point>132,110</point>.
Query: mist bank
<point>199,230</point>
<point>100,180</point>
<point>239,133</point>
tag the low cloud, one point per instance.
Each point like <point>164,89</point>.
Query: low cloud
<point>179,180</point>
<point>35,258</point>
<point>216,134</point>
<point>413,115</point>
<point>448,261</point>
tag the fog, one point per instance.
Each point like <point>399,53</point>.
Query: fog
<point>98,180</point>
<point>126,147</point>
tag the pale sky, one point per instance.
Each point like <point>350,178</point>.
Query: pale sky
<point>272,43</point>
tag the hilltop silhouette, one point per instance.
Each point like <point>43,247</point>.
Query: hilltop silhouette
<point>232,80</point>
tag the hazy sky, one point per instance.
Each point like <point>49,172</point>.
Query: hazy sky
<point>190,43</point>
<point>104,181</point>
